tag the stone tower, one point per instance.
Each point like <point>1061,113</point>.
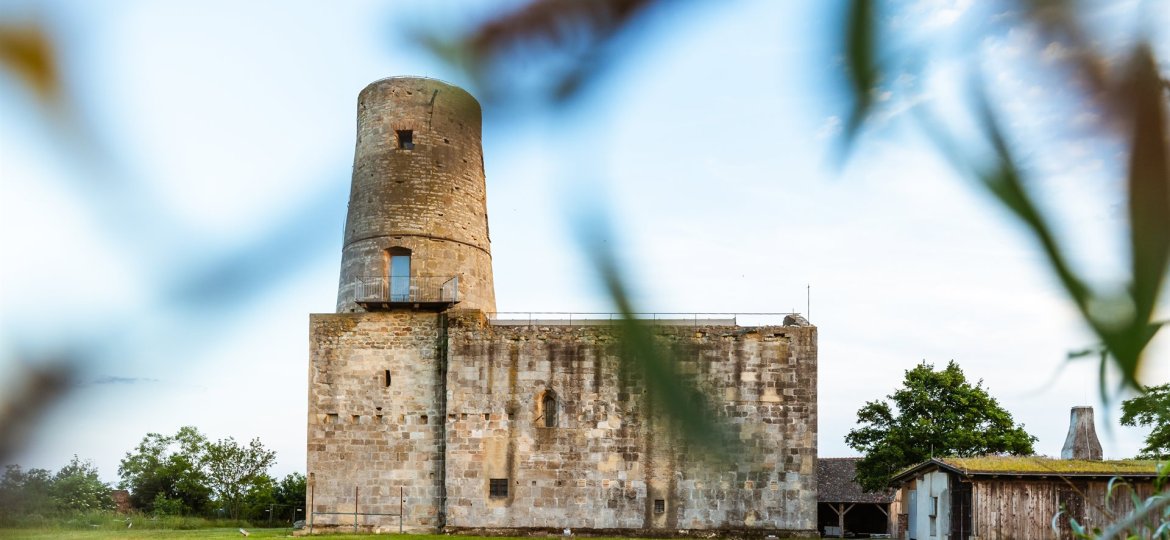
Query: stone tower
<point>416,235</point>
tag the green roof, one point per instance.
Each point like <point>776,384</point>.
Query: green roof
<point>1037,466</point>
<point>1046,465</point>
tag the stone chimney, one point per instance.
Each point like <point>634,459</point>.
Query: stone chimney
<point>1082,442</point>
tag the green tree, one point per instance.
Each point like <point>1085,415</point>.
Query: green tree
<point>260,503</point>
<point>170,467</point>
<point>233,470</point>
<point>24,493</point>
<point>78,488</point>
<point>1151,409</point>
<point>290,493</point>
<point>934,413</point>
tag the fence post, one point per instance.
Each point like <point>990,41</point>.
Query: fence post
<point>312,492</point>
<point>400,507</point>
<point>355,508</point>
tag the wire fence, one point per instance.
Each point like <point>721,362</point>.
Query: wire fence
<point>356,513</point>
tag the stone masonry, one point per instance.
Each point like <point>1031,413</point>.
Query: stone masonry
<point>603,465</point>
<point>430,198</point>
<point>496,426</point>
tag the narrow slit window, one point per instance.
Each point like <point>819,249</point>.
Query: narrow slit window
<point>659,506</point>
<point>405,139</point>
<point>550,409</point>
<point>498,487</point>
<point>387,378</point>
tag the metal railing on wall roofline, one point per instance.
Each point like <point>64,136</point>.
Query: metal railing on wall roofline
<point>569,318</point>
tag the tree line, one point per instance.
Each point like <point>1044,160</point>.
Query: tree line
<point>166,475</point>
<point>941,413</point>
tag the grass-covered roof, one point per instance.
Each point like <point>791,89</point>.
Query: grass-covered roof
<point>1037,466</point>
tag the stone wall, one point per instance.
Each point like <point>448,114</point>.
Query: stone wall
<point>431,198</point>
<point>609,457</point>
<point>364,433</point>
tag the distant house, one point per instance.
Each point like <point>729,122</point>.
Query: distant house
<point>1009,497</point>
<point>843,508</point>
<point>121,500</point>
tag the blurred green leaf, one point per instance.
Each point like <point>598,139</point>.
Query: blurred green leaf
<point>687,409</point>
<point>861,62</point>
<point>1149,197</point>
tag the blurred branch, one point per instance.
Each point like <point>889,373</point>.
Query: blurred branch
<point>27,52</point>
<point>573,38</point>
<point>22,409</point>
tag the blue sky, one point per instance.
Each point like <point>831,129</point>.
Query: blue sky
<point>708,145</point>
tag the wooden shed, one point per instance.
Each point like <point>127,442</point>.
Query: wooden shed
<point>989,498</point>
<point>843,508</point>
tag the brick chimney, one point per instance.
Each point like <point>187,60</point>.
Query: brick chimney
<point>1082,442</point>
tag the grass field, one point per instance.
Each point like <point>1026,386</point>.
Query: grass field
<point>69,534</point>
<point>46,534</point>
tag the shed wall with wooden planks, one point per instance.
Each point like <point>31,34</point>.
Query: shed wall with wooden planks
<point>1024,508</point>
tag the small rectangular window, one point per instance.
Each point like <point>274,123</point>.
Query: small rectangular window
<point>659,506</point>
<point>387,378</point>
<point>405,139</point>
<point>498,487</point>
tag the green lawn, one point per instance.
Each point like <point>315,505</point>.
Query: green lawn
<point>46,534</point>
<point>106,534</point>
<point>70,534</point>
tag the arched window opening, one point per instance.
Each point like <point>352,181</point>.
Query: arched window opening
<point>548,407</point>
<point>398,274</point>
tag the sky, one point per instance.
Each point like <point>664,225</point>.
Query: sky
<point>176,233</point>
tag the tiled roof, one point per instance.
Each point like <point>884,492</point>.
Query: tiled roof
<point>835,483</point>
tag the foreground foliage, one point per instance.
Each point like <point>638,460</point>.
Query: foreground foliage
<point>935,413</point>
<point>1150,517</point>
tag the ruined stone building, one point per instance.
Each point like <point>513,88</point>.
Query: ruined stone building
<point>422,401</point>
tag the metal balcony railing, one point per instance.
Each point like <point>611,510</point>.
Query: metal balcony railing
<point>407,289</point>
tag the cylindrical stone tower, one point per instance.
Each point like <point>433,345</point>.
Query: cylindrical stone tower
<point>416,236</point>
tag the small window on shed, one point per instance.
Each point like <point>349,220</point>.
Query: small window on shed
<point>498,487</point>
<point>659,506</point>
<point>405,139</point>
